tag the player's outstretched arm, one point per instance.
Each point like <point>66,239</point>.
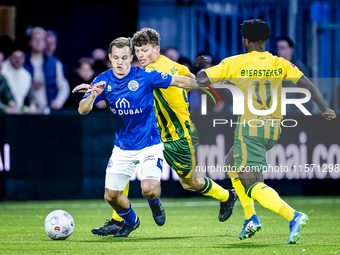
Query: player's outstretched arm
<point>316,96</point>
<point>192,76</point>
<point>82,88</point>
<point>201,76</point>
<point>86,105</point>
<point>184,82</point>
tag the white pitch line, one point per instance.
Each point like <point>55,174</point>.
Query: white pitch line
<point>166,204</point>
<point>103,205</point>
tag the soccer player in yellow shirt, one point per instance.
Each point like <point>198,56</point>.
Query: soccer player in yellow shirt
<point>179,134</point>
<point>263,74</point>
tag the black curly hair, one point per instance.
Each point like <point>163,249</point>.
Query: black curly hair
<point>255,30</point>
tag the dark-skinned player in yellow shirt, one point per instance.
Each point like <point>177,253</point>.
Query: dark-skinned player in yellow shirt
<point>262,72</point>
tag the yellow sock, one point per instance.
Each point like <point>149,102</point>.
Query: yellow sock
<point>268,198</point>
<point>249,210</point>
<point>211,189</point>
<point>287,212</point>
<point>115,216</point>
<point>247,202</point>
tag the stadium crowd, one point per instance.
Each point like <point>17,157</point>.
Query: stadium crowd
<point>34,81</point>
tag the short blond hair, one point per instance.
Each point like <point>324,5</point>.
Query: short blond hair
<point>38,30</point>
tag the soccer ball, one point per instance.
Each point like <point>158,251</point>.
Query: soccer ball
<point>59,225</point>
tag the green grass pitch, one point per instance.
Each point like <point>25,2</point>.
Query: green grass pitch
<point>191,227</point>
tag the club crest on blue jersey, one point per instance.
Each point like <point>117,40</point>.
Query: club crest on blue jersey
<point>165,76</point>
<point>133,85</point>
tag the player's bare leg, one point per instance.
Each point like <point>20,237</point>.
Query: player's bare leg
<point>268,198</point>
<point>116,199</point>
<point>209,188</point>
<point>121,204</point>
<point>111,227</point>
<point>151,190</point>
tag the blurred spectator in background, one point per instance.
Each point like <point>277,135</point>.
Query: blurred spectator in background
<point>83,73</point>
<point>18,78</point>
<point>186,62</point>
<point>2,57</point>
<point>49,87</point>
<point>99,58</point>
<point>51,43</point>
<point>107,62</point>
<point>98,54</point>
<point>7,103</point>
<point>51,47</point>
<point>171,53</point>
<point>6,44</point>
<point>285,49</point>
<point>162,51</point>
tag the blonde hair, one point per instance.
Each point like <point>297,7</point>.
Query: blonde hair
<point>38,30</point>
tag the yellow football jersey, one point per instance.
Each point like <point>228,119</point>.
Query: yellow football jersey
<point>171,104</point>
<point>262,72</point>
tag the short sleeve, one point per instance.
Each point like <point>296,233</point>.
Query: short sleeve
<point>88,92</point>
<point>291,72</point>
<point>159,80</point>
<point>218,73</point>
<point>183,70</point>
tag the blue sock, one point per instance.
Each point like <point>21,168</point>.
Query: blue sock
<point>152,202</point>
<point>129,216</point>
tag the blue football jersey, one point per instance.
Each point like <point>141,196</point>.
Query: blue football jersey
<point>131,103</point>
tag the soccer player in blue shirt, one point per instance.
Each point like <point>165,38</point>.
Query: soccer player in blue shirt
<point>128,93</point>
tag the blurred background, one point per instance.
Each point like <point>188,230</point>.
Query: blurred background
<point>49,151</point>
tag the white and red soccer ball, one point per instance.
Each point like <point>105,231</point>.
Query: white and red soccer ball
<point>59,225</point>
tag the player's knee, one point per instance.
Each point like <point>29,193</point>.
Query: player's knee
<point>111,196</point>
<point>150,189</point>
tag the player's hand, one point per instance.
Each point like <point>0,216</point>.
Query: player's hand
<point>201,62</point>
<point>36,85</point>
<point>55,105</point>
<point>12,110</point>
<point>82,88</point>
<point>98,88</point>
<point>329,114</point>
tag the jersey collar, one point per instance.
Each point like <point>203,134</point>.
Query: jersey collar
<point>258,52</point>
